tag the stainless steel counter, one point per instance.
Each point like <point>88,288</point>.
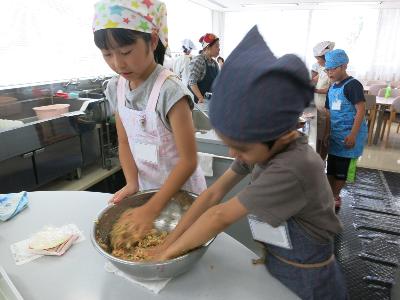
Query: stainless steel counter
<point>225,271</point>
<point>207,137</point>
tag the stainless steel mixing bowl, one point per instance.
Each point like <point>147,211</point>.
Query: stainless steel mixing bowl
<point>167,221</point>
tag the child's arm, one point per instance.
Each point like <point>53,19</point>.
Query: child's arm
<point>327,127</point>
<point>212,222</point>
<point>350,140</point>
<point>314,77</point>
<point>180,118</point>
<point>210,197</point>
<point>127,163</point>
<point>321,91</point>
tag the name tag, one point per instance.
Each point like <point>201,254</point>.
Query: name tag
<point>265,233</point>
<point>146,152</point>
<point>336,105</point>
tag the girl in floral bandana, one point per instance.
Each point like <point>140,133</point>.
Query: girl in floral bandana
<point>157,148</point>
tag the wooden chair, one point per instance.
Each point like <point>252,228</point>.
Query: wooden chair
<point>395,84</point>
<point>374,89</point>
<point>370,107</point>
<point>393,117</point>
<point>394,93</point>
<point>372,82</point>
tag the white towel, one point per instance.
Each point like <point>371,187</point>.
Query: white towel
<point>154,286</point>
<point>10,124</point>
<point>206,163</point>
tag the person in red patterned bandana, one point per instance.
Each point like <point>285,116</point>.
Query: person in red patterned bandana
<point>203,69</point>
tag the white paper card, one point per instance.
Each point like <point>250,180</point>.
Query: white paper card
<point>206,163</point>
<point>146,152</point>
<point>154,285</point>
<point>336,105</point>
<point>265,233</point>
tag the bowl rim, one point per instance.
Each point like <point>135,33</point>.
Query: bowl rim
<point>139,263</point>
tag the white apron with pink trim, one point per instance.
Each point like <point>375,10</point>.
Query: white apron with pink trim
<point>151,143</point>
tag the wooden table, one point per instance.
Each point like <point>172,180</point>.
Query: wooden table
<point>382,104</point>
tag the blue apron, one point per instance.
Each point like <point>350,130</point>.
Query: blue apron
<point>342,115</point>
<point>325,283</point>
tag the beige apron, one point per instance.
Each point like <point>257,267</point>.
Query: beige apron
<point>319,99</point>
<point>151,143</point>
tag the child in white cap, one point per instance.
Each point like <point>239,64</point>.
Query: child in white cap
<point>181,64</point>
<point>321,89</point>
<point>157,147</point>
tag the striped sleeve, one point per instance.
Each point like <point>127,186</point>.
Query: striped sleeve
<point>197,70</point>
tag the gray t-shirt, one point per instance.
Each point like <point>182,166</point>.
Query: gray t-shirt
<point>171,92</point>
<point>292,184</point>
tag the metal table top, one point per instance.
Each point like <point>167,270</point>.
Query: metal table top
<point>225,271</point>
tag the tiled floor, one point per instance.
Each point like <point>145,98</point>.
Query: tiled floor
<point>380,158</point>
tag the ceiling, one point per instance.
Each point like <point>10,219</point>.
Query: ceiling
<point>238,5</point>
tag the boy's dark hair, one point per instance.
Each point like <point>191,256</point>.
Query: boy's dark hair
<point>220,59</point>
<point>124,37</point>
<point>269,144</point>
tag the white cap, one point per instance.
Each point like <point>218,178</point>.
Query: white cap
<point>188,44</point>
<point>323,47</point>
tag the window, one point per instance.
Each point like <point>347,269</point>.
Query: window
<point>50,40</point>
<point>186,20</point>
<point>275,26</point>
<point>355,33</point>
<point>369,35</point>
<point>46,42</point>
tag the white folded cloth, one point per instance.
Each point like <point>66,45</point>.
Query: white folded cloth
<point>10,124</point>
<point>154,286</point>
<point>206,163</point>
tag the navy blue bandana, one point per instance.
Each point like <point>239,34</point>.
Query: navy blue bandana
<point>257,97</point>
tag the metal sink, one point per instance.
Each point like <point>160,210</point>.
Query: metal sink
<point>29,120</point>
<point>201,120</point>
<point>92,94</point>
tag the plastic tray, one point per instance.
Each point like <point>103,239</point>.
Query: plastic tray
<point>51,111</point>
<point>7,288</point>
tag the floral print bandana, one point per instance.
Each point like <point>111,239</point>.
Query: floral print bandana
<point>145,16</point>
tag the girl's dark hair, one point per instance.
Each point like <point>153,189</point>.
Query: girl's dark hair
<point>120,37</point>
